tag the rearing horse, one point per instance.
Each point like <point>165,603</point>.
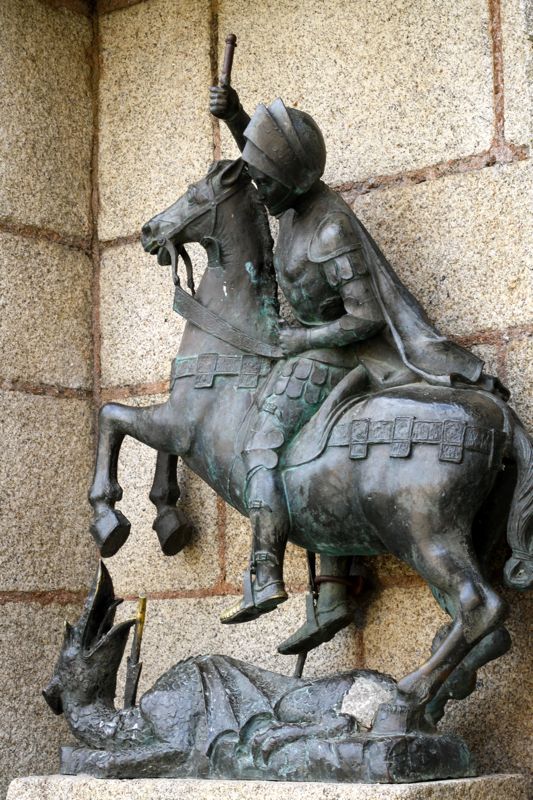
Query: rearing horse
<point>404,470</point>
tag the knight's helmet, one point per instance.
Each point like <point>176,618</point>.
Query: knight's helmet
<point>287,145</point>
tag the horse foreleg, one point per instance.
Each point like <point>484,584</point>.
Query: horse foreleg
<point>109,527</point>
<point>171,525</point>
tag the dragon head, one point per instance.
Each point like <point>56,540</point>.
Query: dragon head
<point>92,649</point>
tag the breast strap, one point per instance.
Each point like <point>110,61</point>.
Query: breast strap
<point>190,309</point>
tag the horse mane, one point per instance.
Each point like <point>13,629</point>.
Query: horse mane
<point>268,283</point>
<point>265,282</point>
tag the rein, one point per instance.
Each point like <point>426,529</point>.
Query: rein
<point>190,309</point>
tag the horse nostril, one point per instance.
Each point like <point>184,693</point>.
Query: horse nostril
<point>146,231</point>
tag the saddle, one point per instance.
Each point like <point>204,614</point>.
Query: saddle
<point>380,368</point>
<point>312,439</point>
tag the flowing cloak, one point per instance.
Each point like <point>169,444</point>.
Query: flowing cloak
<point>421,346</point>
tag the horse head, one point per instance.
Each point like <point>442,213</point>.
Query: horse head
<point>222,212</point>
<point>195,216</point>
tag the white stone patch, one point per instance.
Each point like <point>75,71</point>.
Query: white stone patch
<point>364,697</point>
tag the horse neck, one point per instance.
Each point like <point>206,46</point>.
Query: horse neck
<point>239,283</point>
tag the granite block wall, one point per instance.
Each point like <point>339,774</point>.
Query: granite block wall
<point>46,347</point>
<point>426,111</point>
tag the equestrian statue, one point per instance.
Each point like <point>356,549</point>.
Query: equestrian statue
<point>357,430</point>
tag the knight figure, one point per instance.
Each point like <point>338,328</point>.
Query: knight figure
<point>359,330</point>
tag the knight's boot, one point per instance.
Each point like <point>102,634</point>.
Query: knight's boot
<point>330,615</point>
<point>263,583</point>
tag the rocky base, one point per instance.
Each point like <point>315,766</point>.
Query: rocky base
<point>59,787</point>
<point>403,758</point>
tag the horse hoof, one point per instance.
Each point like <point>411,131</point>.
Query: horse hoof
<point>173,529</point>
<point>110,530</point>
<point>396,718</point>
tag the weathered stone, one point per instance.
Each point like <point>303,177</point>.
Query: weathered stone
<point>45,320</point>
<point>462,244</point>
<point>30,735</point>
<point>105,6</point>
<point>140,330</point>
<point>517,31</point>
<point>155,131</point>
<point>519,376</point>
<point>140,565</point>
<point>391,89</point>
<point>45,148</point>
<point>364,697</point>
<point>44,476</point>
<point>60,787</point>
<point>81,6</point>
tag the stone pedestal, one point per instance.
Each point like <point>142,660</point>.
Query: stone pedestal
<point>64,787</point>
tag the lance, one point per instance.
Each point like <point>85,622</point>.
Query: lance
<point>134,665</point>
<point>225,75</point>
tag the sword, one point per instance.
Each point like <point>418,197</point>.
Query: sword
<point>134,665</point>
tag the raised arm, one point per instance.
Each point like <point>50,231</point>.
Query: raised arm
<point>224,100</point>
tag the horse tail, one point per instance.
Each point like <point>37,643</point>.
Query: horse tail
<point>518,570</point>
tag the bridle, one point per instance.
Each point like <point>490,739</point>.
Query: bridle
<point>185,304</point>
<point>175,251</point>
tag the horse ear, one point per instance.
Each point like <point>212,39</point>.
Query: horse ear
<point>232,173</point>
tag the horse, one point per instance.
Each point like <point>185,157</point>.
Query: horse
<point>402,470</point>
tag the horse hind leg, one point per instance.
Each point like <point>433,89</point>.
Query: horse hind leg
<point>446,561</point>
<point>462,681</point>
<point>478,611</point>
<point>171,525</point>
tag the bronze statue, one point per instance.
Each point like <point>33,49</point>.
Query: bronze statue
<point>218,717</point>
<point>404,469</point>
<point>361,430</point>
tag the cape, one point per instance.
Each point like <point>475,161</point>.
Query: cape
<point>421,346</point>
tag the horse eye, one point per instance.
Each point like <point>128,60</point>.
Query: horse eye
<point>191,194</point>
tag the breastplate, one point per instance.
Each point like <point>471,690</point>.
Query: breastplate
<point>303,283</point>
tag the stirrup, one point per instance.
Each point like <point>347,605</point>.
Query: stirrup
<point>255,601</point>
<point>318,628</point>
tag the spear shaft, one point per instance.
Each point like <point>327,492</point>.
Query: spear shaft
<point>134,665</point>
<point>225,75</point>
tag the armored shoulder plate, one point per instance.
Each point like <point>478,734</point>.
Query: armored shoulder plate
<point>334,236</point>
